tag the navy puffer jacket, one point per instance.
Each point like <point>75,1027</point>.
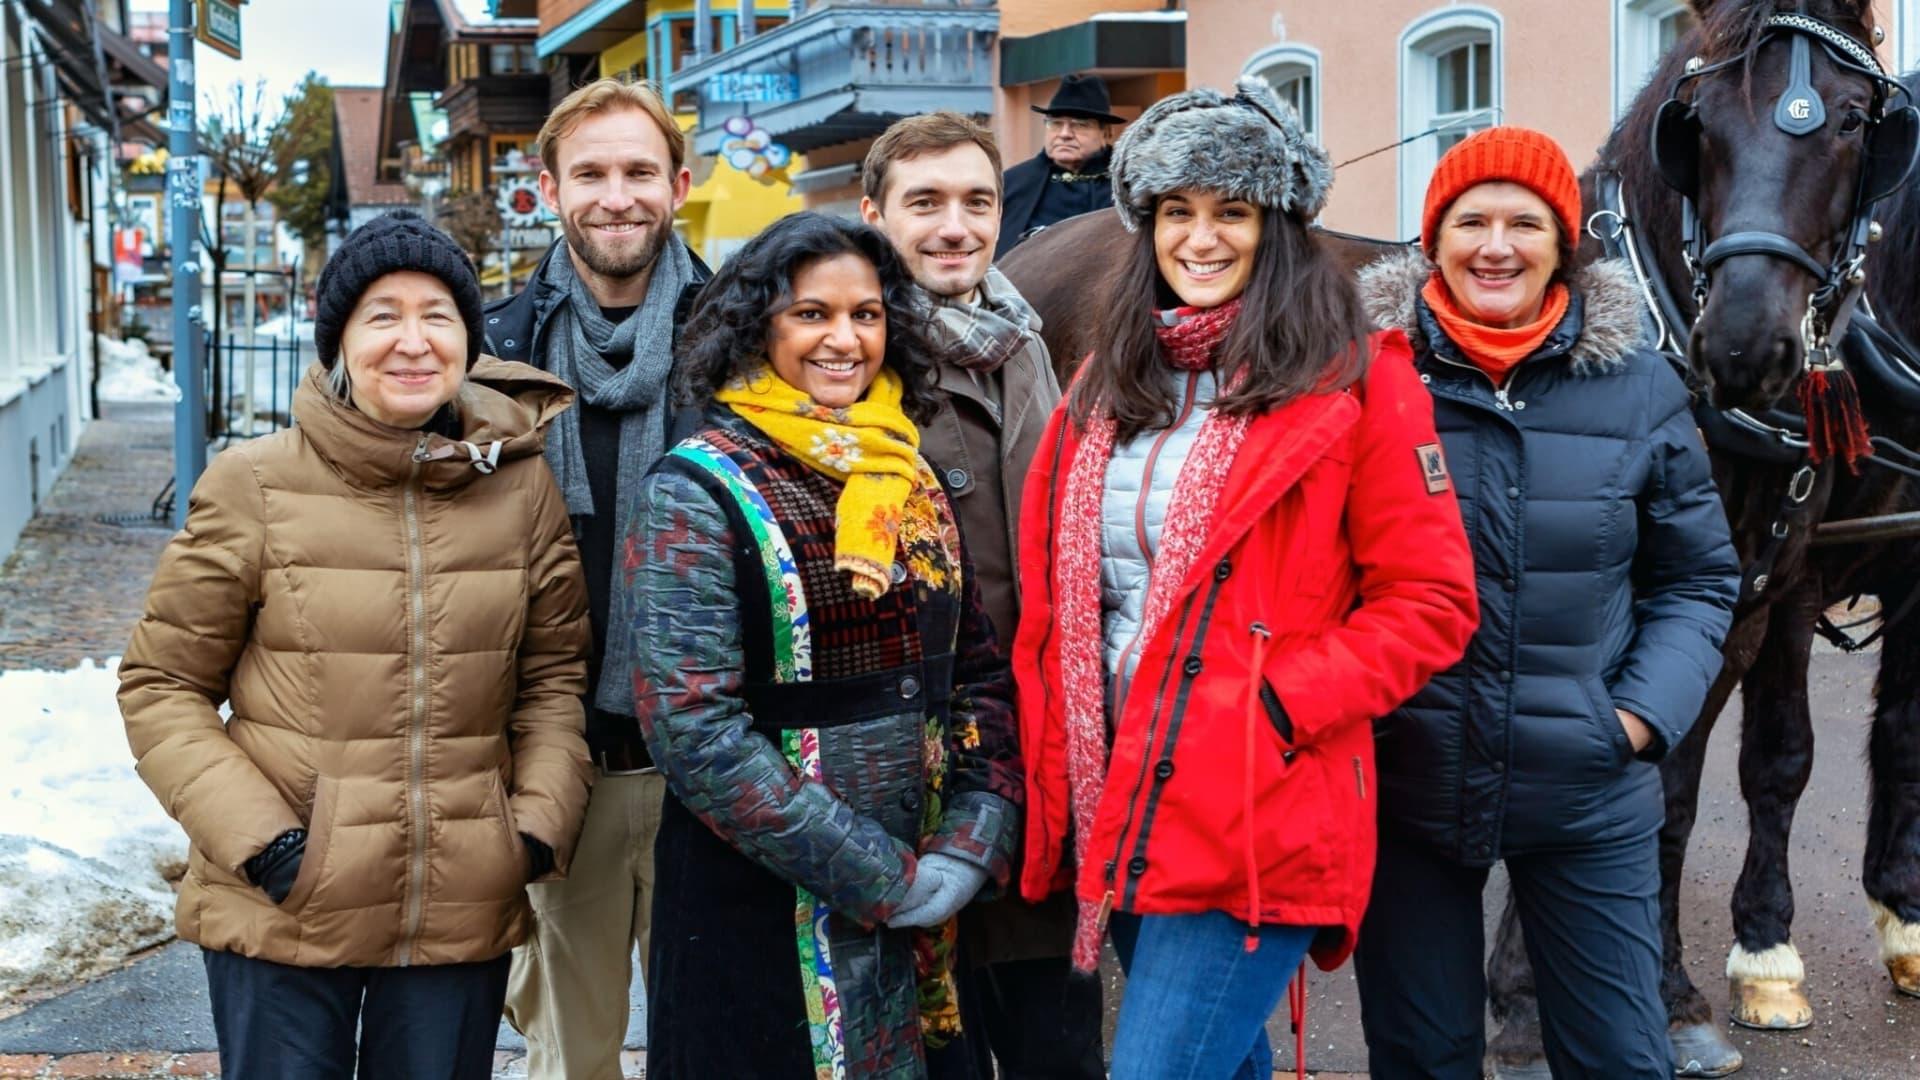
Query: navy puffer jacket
<point>1606,578</point>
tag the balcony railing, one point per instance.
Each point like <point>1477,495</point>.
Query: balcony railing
<point>845,72</point>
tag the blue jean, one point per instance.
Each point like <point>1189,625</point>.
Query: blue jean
<point>1197,1002</point>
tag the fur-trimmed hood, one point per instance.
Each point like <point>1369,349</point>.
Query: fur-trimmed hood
<point>1611,304</point>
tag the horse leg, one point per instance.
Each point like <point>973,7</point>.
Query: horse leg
<point>1892,866</point>
<point>1698,1046</point>
<point>1765,976</point>
<point>1516,1051</point>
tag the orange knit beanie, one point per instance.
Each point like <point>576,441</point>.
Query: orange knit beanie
<point>1516,154</point>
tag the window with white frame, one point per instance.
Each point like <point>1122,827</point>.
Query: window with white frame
<point>1294,73</point>
<point>1450,87</point>
<point>1645,31</point>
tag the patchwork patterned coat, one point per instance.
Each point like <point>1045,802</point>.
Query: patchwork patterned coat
<point>816,745</point>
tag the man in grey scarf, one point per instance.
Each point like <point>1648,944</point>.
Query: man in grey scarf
<point>933,186</point>
<point>601,313</point>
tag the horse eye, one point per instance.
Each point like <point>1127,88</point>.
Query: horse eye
<point>1852,121</point>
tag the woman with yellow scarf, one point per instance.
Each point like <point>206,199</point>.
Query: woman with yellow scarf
<point>816,679</point>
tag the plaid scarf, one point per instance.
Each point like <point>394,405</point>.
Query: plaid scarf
<point>1189,520</point>
<point>981,336</point>
<point>870,447</point>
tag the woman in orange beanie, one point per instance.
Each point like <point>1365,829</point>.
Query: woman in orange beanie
<point>1606,583</point>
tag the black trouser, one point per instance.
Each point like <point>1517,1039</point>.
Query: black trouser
<point>1040,1020</point>
<point>1591,919</point>
<point>432,1022</point>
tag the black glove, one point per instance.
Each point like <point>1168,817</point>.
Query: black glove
<point>278,864</point>
<point>539,858</point>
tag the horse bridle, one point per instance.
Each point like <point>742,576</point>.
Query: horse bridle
<point>1892,141</point>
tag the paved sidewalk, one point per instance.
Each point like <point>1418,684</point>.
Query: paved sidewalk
<point>74,585</point>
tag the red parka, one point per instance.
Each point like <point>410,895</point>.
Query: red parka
<point>1335,581</point>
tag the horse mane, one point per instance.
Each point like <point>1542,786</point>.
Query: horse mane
<point>1730,29</point>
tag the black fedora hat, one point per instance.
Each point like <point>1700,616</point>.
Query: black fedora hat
<point>1081,95</point>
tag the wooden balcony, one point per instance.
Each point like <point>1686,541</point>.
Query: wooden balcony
<point>844,72</point>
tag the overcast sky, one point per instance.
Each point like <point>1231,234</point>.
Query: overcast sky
<point>282,40</point>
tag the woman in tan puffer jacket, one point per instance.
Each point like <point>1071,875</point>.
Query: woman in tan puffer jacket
<point>389,598</point>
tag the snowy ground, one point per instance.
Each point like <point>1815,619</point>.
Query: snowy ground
<point>128,372</point>
<point>86,853</point>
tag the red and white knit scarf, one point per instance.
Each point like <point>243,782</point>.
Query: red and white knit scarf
<point>1188,345</point>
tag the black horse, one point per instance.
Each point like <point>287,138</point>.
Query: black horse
<point>1788,192</point>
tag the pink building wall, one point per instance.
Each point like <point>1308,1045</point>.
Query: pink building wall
<point>1556,61</point>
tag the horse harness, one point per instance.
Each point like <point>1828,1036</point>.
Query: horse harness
<point>1892,140</point>
<point>1776,436</point>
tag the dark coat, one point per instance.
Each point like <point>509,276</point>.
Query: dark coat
<point>982,441</point>
<point>1606,578</point>
<point>514,327</point>
<point>1025,183</point>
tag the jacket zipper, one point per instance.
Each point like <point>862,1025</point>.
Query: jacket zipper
<point>417,711</point>
<point>1121,681</point>
<point>1499,389</point>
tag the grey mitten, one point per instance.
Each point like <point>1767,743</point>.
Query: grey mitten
<point>940,889</point>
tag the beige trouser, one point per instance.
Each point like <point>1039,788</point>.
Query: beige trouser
<point>568,990</point>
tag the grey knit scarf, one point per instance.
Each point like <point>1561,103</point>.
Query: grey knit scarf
<point>578,341</point>
<point>981,336</point>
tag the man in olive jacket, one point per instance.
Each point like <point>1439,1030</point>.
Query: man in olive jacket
<point>933,186</point>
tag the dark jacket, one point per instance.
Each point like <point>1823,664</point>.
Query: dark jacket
<point>515,329</point>
<point>1606,577</point>
<point>982,442</point>
<point>1026,183</point>
<point>906,705</point>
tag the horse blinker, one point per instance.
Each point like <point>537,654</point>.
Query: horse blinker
<point>1891,153</point>
<point>1676,146</point>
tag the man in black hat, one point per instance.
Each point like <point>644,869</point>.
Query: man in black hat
<point>1070,176</point>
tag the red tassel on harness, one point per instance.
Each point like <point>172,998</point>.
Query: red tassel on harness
<point>1836,427</point>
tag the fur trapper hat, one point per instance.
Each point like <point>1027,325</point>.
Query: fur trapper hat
<point>1249,146</point>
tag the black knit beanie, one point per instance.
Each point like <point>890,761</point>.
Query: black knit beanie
<point>396,240</point>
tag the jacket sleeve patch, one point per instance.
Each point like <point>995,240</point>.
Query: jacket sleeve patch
<point>1433,467</point>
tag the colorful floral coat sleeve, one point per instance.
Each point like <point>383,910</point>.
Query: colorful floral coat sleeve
<point>982,816</point>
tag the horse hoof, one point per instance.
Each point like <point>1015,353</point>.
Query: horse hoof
<point>1702,1050</point>
<point>1769,1004</point>
<point>1899,948</point>
<point>1765,988</point>
<point>1906,974</point>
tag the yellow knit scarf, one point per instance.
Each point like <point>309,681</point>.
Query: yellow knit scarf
<point>870,447</point>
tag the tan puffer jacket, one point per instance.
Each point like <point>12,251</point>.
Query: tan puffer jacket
<point>402,637</point>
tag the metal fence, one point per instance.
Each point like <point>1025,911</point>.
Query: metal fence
<point>250,386</point>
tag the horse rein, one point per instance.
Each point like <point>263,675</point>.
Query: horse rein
<point>1800,111</point>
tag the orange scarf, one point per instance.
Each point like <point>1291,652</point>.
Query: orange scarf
<point>1493,349</point>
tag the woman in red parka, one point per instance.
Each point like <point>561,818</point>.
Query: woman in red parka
<point>1239,546</point>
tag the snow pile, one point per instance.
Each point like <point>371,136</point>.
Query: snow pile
<point>128,372</point>
<point>85,850</point>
